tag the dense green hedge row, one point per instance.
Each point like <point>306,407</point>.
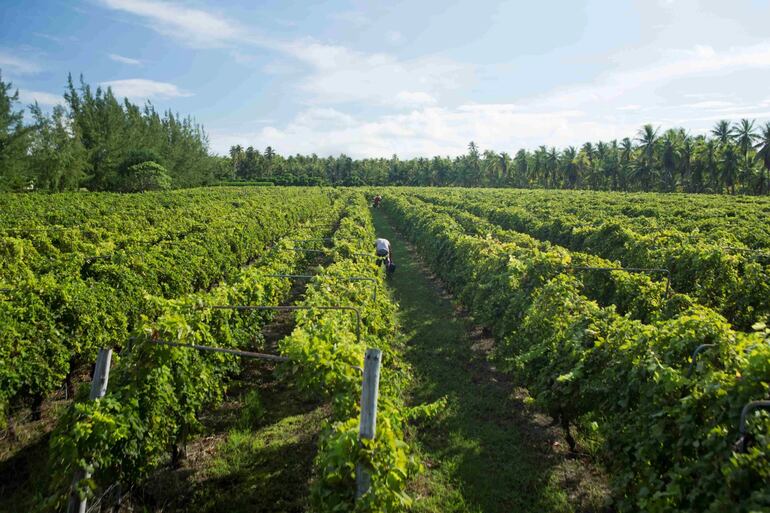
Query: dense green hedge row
<point>56,316</point>
<point>326,353</point>
<point>667,436</point>
<point>737,284</point>
<point>156,392</point>
<point>640,295</point>
<point>733,221</point>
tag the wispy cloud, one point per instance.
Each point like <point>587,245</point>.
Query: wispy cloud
<point>426,131</point>
<point>125,60</point>
<point>60,40</point>
<point>415,98</point>
<point>139,89</point>
<point>45,99</point>
<point>11,61</point>
<point>192,26</point>
<point>679,64</point>
<point>335,73</point>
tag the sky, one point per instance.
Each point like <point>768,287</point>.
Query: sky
<point>414,78</point>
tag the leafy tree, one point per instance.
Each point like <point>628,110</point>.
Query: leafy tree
<point>57,157</point>
<point>145,176</point>
<point>14,140</point>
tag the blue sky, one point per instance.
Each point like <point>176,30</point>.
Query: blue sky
<point>412,78</point>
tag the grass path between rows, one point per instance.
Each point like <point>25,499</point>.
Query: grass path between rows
<point>486,452</point>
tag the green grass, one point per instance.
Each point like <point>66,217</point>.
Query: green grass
<point>244,465</point>
<point>486,451</point>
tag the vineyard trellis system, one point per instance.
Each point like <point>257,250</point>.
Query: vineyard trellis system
<point>369,387</point>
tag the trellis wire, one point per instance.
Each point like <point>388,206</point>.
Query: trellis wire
<point>290,308</point>
<point>236,352</point>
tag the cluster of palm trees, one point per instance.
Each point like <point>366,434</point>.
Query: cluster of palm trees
<point>731,158</point>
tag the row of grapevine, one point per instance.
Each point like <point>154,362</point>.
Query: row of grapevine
<point>56,316</point>
<point>327,353</point>
<point>641,295</point>
<point>736,284</point>
<point>666,432</point>
<point>734,221</point>
<point>157,391</point>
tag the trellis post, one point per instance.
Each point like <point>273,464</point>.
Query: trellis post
<point>98,389</point>
<point>368,427</point>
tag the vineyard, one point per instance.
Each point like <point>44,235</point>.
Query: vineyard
<point>634,323</point>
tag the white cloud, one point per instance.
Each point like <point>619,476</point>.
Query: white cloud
<point>698,61</point>
<point>424,132</point>
<point>709,104</point>
<point>44,99</point>
<point>340,75</point>
<point>414,98</point>
<point>139,89</point>
<point>9,61</point>
<point>336,74</point>
<point>125,60</point>
<point>193,26</point>
<point>630,107</point>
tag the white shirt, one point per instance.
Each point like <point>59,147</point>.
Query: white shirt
<point>382,245</point>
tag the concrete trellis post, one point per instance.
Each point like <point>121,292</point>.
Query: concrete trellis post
<point>368,427</point>
<point>98,389</point>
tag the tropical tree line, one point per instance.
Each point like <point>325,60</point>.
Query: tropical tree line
<point>731,158</point>
<point>94,141</point>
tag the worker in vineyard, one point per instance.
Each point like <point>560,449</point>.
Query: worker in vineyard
<point>377,201</point>
<point>385,252</point>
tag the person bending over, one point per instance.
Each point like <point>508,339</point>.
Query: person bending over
<point>383,249</point>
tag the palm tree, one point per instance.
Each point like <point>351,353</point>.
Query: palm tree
<point>521,162</point>
<point>669,158</point>
<point>552,166</point>
<point>763,154</point>
<point>723,131</point>
<point>505,165</point>
<point>626,155</point>
<point>569,166</point>
<point>745,135</point>
<point>729,167</point>
<point>685,158</point>
<point>647,137</point>
<point>539,173</point>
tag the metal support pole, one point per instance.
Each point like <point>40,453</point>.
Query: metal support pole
<point>753,405</point>
<point>695,354</point>
<point>368,427</point>
<point>98,389</point>
<point>236,352</point>
<point>627,269</point>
